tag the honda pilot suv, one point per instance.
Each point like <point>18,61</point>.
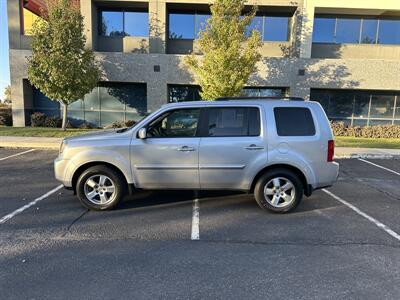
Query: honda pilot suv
<point>279,150</point>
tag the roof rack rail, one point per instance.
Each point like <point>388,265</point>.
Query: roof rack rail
<point>260,98</point>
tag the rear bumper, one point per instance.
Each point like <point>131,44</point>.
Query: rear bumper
<point>327,177</point>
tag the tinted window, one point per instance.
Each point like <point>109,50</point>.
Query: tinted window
<point>254,121</point>
<point>179,93</point>
<point>348,30</point>
<point>201,23</point>
<point>181,26</point>
<point>124,23</point>
<point>324,30</point>
<point>112,23</point>
<point>276,29</point>
<point>233,121</point>
<point>178,123</point>
<point>368,34</point>
<point>389,32</point>
<point>294,121</point>
<point>137,23</point>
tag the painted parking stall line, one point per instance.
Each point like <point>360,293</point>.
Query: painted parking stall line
<point>379,166</point>
<point>17,154</point>
<point>21,209</point>
<point>196,218</point>
<point>363,214</point>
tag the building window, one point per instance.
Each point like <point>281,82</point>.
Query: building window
<point>123,23</point>
<point>107,103</point>
<point>263,92</point>
<point>276,29</point>
<point>29,19</point>
<point>186,25</point>
<point>359,108</point>
<point>179,93</point>
<point>189,25</point>
<point>355,30</point>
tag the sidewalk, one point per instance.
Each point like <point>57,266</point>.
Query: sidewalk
<point>30,142</point>
<point>54,144</point>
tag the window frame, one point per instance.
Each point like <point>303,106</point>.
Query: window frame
<point>204,124</point>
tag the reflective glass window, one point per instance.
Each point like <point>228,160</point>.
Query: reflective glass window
<point>324,30</point>
<point>201,23</point>
<point>179,93</point>
<point>382,106</point>
<point>136,23</point>
<point>181,26</point>
<point>368,34</point>
<point>389,32</point>
<point>348,30</point>
<point>112,23</point>
<point>276,29</point>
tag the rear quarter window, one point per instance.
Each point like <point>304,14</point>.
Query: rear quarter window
<point>294,121</point>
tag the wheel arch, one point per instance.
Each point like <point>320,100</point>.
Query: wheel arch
<point>88,165</point>
<point>307,187</point>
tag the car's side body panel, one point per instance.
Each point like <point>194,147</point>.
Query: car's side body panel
<point>215,162</point>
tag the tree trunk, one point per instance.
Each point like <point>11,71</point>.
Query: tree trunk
<point>65,117</point>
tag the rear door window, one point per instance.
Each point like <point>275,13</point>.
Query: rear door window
<point>233,121</point>
<point>294,121</point>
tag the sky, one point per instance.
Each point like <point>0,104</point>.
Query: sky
<point>4,65</point>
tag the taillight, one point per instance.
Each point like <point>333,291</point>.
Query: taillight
<point>331,150</point>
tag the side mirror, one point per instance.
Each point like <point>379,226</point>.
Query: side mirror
<point>142,133</point>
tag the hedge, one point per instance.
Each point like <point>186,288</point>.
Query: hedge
<point>377,131</point>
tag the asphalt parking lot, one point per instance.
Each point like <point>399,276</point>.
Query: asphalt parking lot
<point>341,243</point>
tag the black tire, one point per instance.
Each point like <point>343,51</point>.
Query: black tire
<point>114,178</point>
<point>278,173</point>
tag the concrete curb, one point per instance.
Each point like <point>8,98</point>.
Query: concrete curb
<point>368,156</point>
<point>30,142</point>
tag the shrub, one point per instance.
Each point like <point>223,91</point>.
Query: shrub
<point>5,117</point>
<point>38,119</point>
<point>377,131</point>
<point>85,125</point>
<point>130,123</point>
<point>52,122</point>
<point>121,124</point>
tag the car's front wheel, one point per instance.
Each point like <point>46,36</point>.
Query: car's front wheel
<point>279,190</point>
<point>100,188</point>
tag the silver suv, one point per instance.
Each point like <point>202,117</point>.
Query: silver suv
<point>278,149</point>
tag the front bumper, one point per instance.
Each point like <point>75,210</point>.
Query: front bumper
<point>61,173</point>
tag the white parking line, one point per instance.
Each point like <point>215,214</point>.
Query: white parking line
<point>196,219</point>
<point>21,209</point>
<point>371,163</point>
<point>20,153</point>
<point>368,217</point>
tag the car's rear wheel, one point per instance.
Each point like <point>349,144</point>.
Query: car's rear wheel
<point>279,191</point>
<point>100,188</point>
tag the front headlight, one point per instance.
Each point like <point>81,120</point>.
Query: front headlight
<point>62,146</point>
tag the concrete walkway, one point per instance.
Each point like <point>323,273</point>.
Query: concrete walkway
<point>30,142</point>
<point>54,144</point>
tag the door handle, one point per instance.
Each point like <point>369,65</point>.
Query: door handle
<point>254,147</point>
<point>186,149</point>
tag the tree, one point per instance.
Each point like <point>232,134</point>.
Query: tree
<point>60,66</point>
<point>230,50</point>
<point>7,95</point>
